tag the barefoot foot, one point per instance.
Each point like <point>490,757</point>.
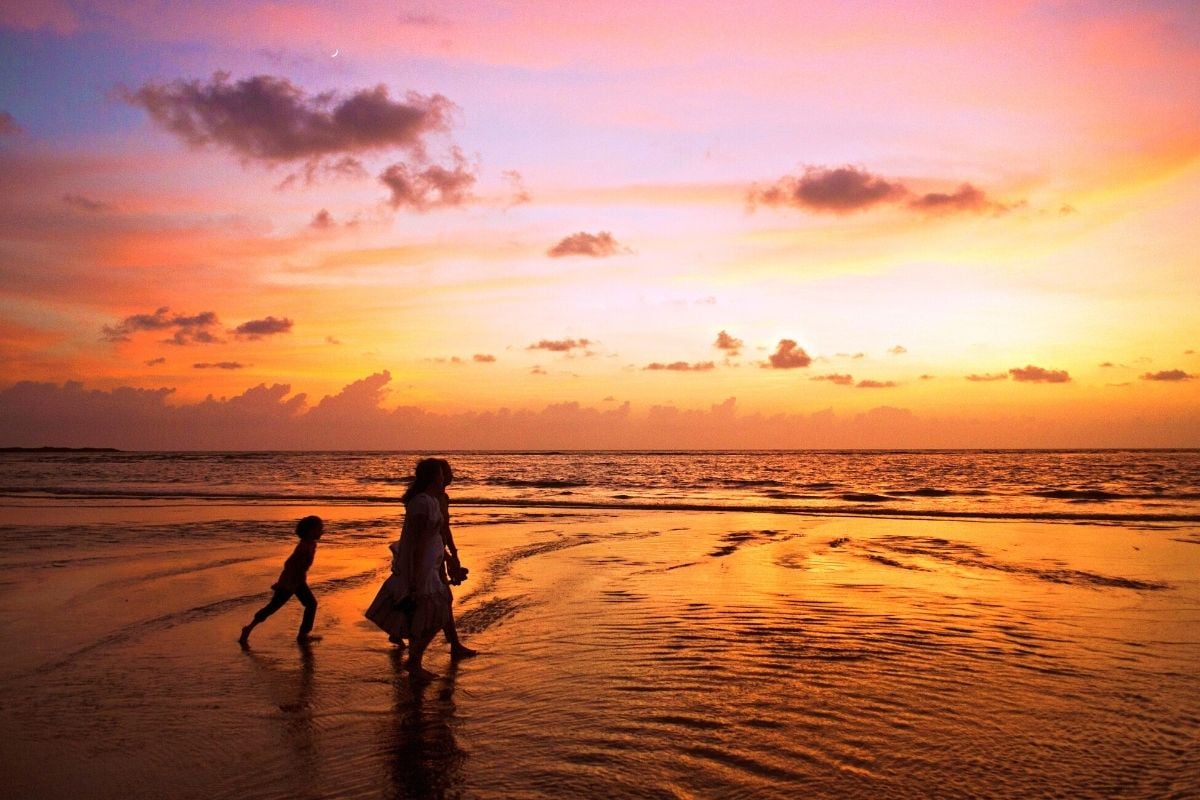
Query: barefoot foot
<point>419,673</point>
<point>462,651</point>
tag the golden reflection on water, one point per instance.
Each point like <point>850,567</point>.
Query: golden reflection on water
<point>624,655</point>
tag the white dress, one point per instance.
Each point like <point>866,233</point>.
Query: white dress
<point>413,604</point>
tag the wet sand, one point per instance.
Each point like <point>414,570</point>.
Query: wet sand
<point>624,654</point>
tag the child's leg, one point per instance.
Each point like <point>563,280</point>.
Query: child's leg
<point>305,596</point>
<point>280,597</point>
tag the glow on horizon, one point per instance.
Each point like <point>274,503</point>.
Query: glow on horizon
<point>926,204</point>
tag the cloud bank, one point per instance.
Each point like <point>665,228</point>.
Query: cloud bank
<point>271,418</point>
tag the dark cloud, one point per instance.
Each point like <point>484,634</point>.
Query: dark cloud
<point>423,188</point>
<point>332,340</point>
<point>927,377</point>
<point>991,376</point>
<point>188,329</point>
<point>85,204</point>
<point>681,366</point>
<point>898,350</point>
<point>1168,375</point>
<point>840,190</point>
<point>267,118</point>
<point>219,365</point>
<point>848,189</point>
<point>560,345</point>
<point>8,125</point>
<point>729,344</point>
<point>966,198</point>
<point>258,328</point>
<point>537,370</point>
<point>868,384</point>
<point>483,358</point>
<point>1032,374</point>
<point>1107,364</point>
<point>839,379</point>
<point>596,245</point>
<point>323,220</point>
<point>154,362</point>
<point>788,355</point>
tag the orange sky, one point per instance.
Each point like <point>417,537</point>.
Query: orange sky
<point>487,224</point>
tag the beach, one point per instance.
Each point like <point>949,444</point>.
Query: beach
<point>624,653</point>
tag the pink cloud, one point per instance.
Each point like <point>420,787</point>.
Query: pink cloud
<point>596,245</point>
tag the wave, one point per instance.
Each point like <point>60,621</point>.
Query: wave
<point>857,504</point>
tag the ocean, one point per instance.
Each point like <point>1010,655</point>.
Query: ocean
<point>1083,485</point>
<point>867,624</point>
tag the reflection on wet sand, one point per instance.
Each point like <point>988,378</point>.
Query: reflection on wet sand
<point>423,756</point>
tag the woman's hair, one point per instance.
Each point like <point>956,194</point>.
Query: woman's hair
<point>428,470</point>
<point>308,526</point>
<point>447,473</point>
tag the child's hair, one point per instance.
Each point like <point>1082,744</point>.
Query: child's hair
<point>308,526</point>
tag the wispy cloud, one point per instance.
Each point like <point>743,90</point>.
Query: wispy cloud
<point>8,124</point>
<point>219,365</point>
<point>681,366</point>
<point>987,377</point>
<point>869,384</point>
<point>839,378</point>
<point>85,203</point>
<point>483,358</point>
<point>258,328</point>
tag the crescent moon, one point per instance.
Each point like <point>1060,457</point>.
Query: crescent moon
<point>335,52</point>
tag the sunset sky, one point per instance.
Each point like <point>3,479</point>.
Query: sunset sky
<point>599,224</point>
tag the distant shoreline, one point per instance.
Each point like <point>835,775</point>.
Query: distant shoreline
<point>59,450</point>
